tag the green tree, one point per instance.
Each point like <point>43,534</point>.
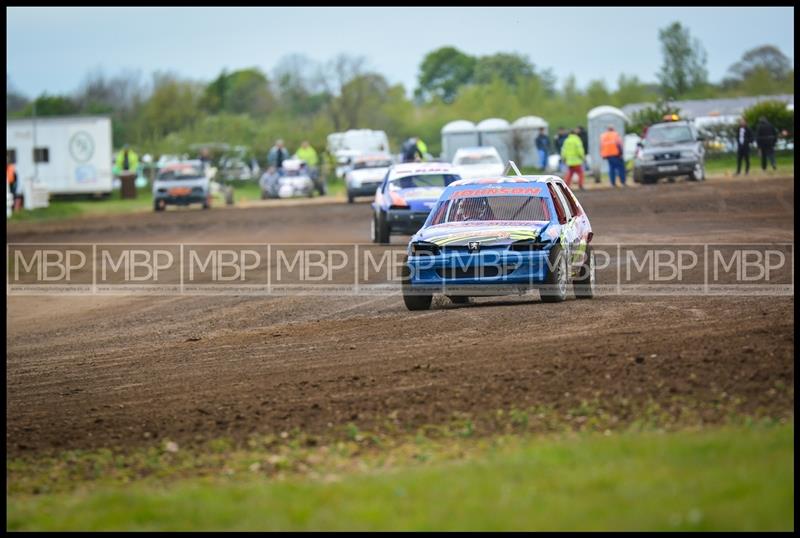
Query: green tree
<point>172,105</point>
<point>245,91</point>
<point>776,113</point>
<point>15,100</point>
<point>509,67</point>
<point>650,115</point>
<point>631,90</point>
<point>443,72</point>
<point>51,105</point>
<point>766,58</point>
<point>684,66</point>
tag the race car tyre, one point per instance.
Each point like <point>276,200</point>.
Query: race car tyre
<point>158,205</point>
<point>207,204</point>
<point>350,198</point>
<point>555,288</point>
<point>584,283</point>
<point>381,230</point>
<point>413,301</point>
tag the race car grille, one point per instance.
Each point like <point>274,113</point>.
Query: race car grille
<point>667,156</point>
<point>474,271</point>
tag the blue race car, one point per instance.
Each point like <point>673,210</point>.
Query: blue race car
<point>498,236</point>
<point>406,196</point>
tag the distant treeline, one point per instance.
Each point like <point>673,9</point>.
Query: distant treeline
<point>305,100</point>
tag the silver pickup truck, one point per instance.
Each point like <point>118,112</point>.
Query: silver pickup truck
<point>669,150</point>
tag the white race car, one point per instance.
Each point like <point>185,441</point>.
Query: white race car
<point>292,180</point>
<point>482,161</point>
<point>366,174</point>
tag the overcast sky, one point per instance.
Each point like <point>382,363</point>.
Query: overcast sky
<point>52,49</point>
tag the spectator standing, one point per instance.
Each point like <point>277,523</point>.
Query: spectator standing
<point>744,138</point>
<point>411,151</point>
<point>573,154</point>
<point>611,150</point>
<point>422,147</point>
<point>584,136</point>
<point>558,142</point>
<point>277,154</point>
<point>766,137</point>
<point>543,148</point>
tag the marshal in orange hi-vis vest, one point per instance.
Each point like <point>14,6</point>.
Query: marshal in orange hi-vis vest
<point>610,143</point>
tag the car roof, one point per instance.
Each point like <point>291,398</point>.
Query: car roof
<point>477,149</point>
<point>507,179</point>
<point>413,169</point>
<point>372,157</point>
<point>181,164</point>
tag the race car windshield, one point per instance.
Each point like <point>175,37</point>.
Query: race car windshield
<point>360,165</point>
<point>668,134</point>
<point>491,208</point>
<point>188,172</point>
<point>422,181</point>
<point>478,159</point>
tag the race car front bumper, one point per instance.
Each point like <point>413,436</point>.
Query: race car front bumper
<point>187,199</point>
<point>365,189</point>
<point>405,221</point>
<point>489,271</point>
<point>658,169</point>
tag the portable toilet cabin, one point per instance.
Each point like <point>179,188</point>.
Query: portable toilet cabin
<point>497,133</point>
<point>458,134</point>
<point>526,129</point>
<point>599,118</point>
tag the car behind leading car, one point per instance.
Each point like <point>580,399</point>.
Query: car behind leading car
<point>181,183</point>
<point>406,196</point>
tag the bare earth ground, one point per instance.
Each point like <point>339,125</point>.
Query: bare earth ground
<point>88,372</point>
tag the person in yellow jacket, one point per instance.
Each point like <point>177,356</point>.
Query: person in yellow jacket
<point>422,147</point>
<point>573,155</point>
<point>308,154</point>
<point>127,161</point>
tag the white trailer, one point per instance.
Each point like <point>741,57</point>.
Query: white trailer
<point>65,154</point>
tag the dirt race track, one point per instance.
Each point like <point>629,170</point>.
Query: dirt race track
<point>88,372</point>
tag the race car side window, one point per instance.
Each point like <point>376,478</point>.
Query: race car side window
<point>560,213</point>
<point>565,205</point>
<point>573,205</point>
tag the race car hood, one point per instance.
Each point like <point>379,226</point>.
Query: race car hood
<point>368,174</point>
<point>470,171</point>
<point>490,233</point>
<point>420,198</point>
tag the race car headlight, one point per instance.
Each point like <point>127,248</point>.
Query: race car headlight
<point>424,247</point>
<point>397,201</point>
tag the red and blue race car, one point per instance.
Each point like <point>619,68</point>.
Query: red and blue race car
<point>406,196</point>
<point>501,235</point>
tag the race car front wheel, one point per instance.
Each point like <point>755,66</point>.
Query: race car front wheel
<point>555,286</point>
<point>412,300</point>
<point>380,229</point>
<point>584,283</point>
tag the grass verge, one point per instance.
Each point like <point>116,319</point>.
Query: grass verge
<point>735,477</point>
